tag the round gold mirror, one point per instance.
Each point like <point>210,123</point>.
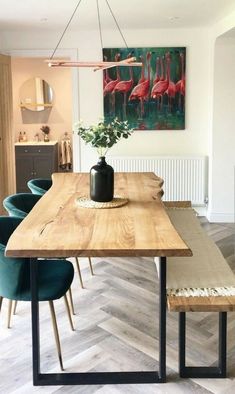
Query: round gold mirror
<point>36,94</point>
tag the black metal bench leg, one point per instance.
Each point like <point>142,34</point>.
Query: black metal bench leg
<point>203,372</point>
<point>223,343</point>
<point>182,338</point>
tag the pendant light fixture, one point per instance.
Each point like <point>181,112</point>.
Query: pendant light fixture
<point>96,65</point>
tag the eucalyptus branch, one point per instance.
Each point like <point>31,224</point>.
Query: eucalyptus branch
<point>103,135</point>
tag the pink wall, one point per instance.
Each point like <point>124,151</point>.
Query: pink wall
<point>59,117</point>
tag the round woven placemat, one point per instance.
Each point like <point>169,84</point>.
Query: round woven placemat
<point>116,202</point>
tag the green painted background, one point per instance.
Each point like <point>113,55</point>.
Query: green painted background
<point>154,118</point>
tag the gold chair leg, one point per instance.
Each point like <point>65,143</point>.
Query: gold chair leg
<point>68,311</point>
<point>91,268</point>
<point>56,333</point>
<point>14,308</point>
<point>79,272</point>
<point>1,299</point>
<point>9,314</point>
<point>71,301</point>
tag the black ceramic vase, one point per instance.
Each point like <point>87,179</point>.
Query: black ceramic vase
<point>101,181</point>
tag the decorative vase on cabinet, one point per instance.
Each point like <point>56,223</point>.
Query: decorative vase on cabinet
<point>101,181</point>
<point>46,138</point>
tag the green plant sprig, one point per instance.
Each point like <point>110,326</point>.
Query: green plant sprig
<point>103,135</point>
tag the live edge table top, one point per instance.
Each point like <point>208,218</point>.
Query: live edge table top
<point>58,227</point>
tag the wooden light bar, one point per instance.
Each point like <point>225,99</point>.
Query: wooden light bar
<point>130,61</point>
<point>97,65</point>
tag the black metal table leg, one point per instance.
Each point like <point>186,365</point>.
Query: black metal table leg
<point>35,319</point>
<point>88,378</point>
<point>223,343</point>
<point>162,319</point>
<point>203,372</point>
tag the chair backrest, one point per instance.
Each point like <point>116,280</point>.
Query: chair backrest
<point>14,272</point>
<point>19,205</point>
<point>39,185</point>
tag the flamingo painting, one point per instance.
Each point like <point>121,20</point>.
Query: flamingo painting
<point>161,86</point>
<point>157,77</point>
<point>171,90</point>
<point>142,77</point>
<point>106,77</point>
<point>109,87</point>
<point>151,96</point>
<point>141,91</point>
<point>180,85</point>
<point>124,87</point>
<point>162,68</point>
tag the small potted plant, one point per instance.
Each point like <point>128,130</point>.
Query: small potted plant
<point>102,136</point>
<point>46,131</point>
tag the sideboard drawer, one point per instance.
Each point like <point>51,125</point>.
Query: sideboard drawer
<point>34,149</point>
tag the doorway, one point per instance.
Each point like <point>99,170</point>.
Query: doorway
<point>28,64</point>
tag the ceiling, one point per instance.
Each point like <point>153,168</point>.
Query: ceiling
<point>132,14</point>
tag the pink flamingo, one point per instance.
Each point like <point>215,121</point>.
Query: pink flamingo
<point>162,68</point>
<point>157,77</point>
<point>142,77</point>
<point>171,90</point>
<point>180,85</point>
<point>109,87</point>
<point>124,87</point>
<point>161,86</point>
<point>106,78</point>
<point>141,91</point>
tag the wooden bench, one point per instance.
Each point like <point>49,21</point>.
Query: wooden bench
<point>196,291</point>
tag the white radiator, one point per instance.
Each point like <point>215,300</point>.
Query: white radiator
<point>185,178</point>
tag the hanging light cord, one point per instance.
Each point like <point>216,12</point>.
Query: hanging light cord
<point>116,22</point>
<point>100,31</point>
<point>66,27</point>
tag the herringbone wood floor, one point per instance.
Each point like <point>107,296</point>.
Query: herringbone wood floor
<point>117,329</point>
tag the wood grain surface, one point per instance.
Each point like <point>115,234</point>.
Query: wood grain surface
<point>57,227</point>
<point>177,204</point>
<point>201,304</point>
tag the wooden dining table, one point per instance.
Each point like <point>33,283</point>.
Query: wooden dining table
<point>58,227</point>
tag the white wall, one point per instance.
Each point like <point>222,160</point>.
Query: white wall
<point>221,207</point>
<point>59,118</point>
<point>207,132</point>
<point>224,25</point>
<point>192,141</point>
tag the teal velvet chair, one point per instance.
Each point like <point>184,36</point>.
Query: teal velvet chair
<point>20,204</point>
<point>54,277</point>
<point>39,185</point>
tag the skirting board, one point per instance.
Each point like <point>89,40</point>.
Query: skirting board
<point>220,217</point>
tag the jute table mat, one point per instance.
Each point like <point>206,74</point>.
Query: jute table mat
<point>86,202</point>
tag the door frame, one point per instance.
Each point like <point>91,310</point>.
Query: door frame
<point>6,144</point>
